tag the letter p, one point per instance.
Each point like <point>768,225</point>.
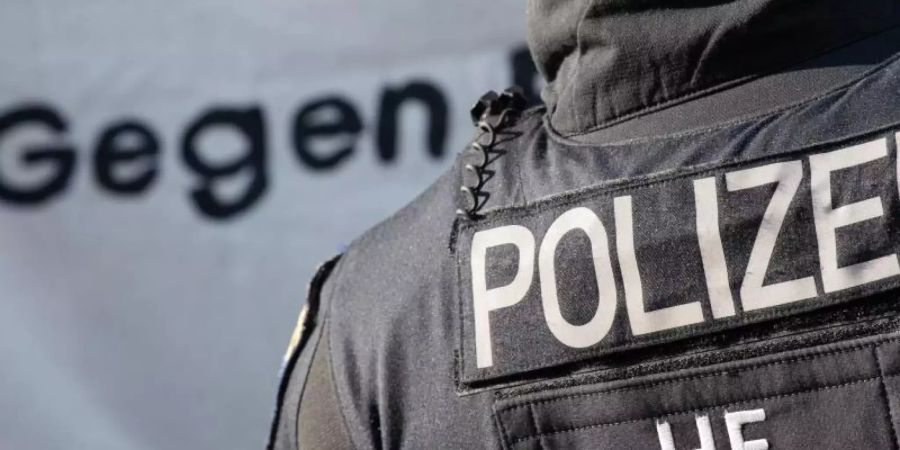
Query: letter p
<point>486,300</point>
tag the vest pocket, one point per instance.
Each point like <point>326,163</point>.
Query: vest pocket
<point>835,396</point>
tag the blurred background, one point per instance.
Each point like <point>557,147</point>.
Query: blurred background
<point>171,172</point>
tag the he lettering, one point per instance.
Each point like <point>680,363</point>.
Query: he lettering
<point>786,176</point>
<point>734,422</point>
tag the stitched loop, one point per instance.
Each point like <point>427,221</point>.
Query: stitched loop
<point>490,114</point>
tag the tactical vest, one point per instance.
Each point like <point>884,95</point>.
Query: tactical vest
<point>727,287</point>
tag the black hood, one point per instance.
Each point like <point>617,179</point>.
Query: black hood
<point>606,61</point>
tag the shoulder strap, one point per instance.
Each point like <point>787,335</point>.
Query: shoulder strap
<point>294,368</point>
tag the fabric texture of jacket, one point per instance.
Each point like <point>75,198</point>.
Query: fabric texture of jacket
<point>693,243</point>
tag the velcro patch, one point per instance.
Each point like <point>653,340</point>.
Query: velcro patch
<point>679,255</point>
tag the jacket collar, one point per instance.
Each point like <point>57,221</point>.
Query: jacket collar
<point>607,61</point>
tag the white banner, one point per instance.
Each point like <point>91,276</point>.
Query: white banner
<point>172,172</point>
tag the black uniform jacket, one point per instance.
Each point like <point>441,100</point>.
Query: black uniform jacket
<point>692,244</point>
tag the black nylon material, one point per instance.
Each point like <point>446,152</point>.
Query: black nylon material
<point>610,60</point>
<point>398,302</point>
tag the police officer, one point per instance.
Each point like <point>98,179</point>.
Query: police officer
<point>693,245</point>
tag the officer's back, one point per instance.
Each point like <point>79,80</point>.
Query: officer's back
<point>694,245</point>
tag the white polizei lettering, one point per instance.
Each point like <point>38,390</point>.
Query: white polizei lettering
<point>578,336</point>
<point>704,431</point>
<point>786,176</point>
<point>754,295</point>
<point>641,320</point>
<point>711,252</point>
<point>486,300</point>
<point>828,219</point>
<point>734,421</point>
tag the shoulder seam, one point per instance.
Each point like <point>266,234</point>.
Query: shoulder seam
<point>338,272</point>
